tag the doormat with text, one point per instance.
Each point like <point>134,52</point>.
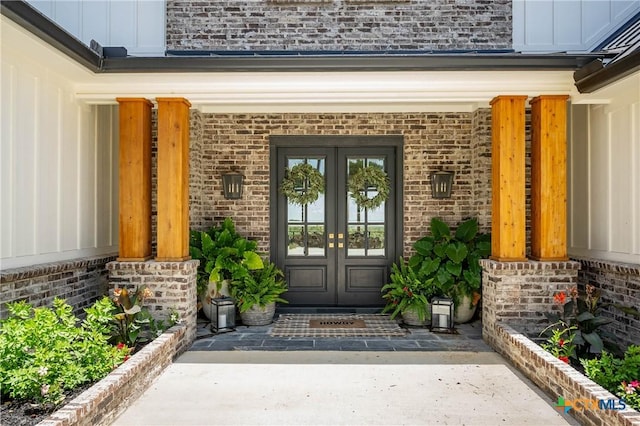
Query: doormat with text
<point>336,325</point>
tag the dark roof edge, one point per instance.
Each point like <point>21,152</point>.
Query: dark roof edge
<point>604,75</point>
<point>29,18</point>
<point>346,62</point>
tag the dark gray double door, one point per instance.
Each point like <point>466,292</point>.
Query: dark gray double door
<point>333,252</point>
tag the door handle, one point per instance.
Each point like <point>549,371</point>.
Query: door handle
<point>331,236</point>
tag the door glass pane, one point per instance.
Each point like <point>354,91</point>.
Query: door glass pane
<point>366,227</point>
<point>305,223</point>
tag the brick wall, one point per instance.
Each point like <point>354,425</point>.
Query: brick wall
<point>519,293</point>
<point>80,282</point>
<point>339,25</point>
<point>173,285</point>
<point>620,284</point>
<point>432,142</point>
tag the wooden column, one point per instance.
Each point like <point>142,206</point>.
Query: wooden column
<point>173,179</point>
<point>508,238</point>
<point>134,180</point>
<point>549,178</point>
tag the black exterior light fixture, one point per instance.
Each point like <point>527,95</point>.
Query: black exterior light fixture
<point>232,185</point>
<point>441,183</point>
<point>442,313</point>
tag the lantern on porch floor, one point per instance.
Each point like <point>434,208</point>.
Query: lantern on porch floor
<point>442,312</point>
<point>223,314</point>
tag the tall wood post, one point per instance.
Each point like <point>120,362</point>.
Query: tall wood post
<point>549,178</point>
<point>508,237</point>
<point>173,179</point>
<point>134,196</point>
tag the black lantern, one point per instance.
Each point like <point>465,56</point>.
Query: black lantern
<point>441,184</point>
<point>223,314</point>
<point>232,185</point>
<point>442,311</point>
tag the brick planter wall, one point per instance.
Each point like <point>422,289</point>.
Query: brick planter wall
<point>519,293</point>
<point>102,403</point>
<point>80,282</point>
<point>339,25</point>
<point>559,379</point>
<point>619,283</point>
<point>173,285</point>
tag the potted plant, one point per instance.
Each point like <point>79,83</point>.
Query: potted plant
<point>407,295</point>
<point>452,261</point>
<point>221,252</point>
<point>256,293</point>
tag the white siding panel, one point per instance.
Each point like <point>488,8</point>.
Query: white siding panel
<point>6,158</point>
<point>87,176</point>
<point>24,159</point>
<point>122,23</point>
<point>621,159</point>
<point>48,167</point>
<point>599,181</point>
<point>68,14</point>
<point>579,178</point>
<point>151,27</point>
<point>95,22</point>
<point>635,174</point>
<point>103,175</point>
<point>69,232</point>
<point>44,6</point>
<point>566,28</point>
<point>567,25</point>
<point>115,164</point>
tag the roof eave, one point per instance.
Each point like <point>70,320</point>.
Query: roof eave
<point>603,76</point>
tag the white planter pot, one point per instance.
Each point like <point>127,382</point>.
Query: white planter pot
<point>213,293</point>
<point>464,312</point>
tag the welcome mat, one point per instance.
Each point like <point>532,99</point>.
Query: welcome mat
<point>336,325</point>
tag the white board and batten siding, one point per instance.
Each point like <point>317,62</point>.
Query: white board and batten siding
<point>604,167</point>
<point>58,168</point>
<point>138,25</point>
<point>567,25</point>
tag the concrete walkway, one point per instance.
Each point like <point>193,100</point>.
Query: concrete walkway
<point>341,388</point>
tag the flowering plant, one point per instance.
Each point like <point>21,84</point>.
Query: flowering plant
<point>582,313</point>
<point>406,292</point>
<point>130,317</point>
<point>630,393</point>
<point>560,344</point>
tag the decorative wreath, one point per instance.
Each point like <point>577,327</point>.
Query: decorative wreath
<point>301,173</point>
<point>365,178</point>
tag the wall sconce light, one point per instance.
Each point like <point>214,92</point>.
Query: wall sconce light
<point>223,314</point>
<point>441,183</point>
<point>442,312</point>
<point>232,185</point>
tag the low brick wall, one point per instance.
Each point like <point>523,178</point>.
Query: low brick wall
<point>80,282</point>
<point>559,379</point>
<point>173,285</point>
<point>102,403</point>
<point>619,283</point>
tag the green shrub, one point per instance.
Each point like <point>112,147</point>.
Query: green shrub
<point>618,375</point>
<point>43,352</point>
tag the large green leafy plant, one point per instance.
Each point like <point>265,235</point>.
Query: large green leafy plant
<point>451,261</point>
<point>259,287</point>
<point>221,252</point>
<point>407,292</point>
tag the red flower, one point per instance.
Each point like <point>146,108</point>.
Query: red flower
<point>564,359</point>
<point>127,357</point>
<point>560,298</point>
<point>120,346</point>
<point>561,342</point>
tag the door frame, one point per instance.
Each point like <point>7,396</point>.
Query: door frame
<point>342,141</point>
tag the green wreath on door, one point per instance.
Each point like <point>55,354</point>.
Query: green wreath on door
<point>364,179</point>
<point>301,173</point>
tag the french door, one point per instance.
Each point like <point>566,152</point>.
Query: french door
<point>333,252</point>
